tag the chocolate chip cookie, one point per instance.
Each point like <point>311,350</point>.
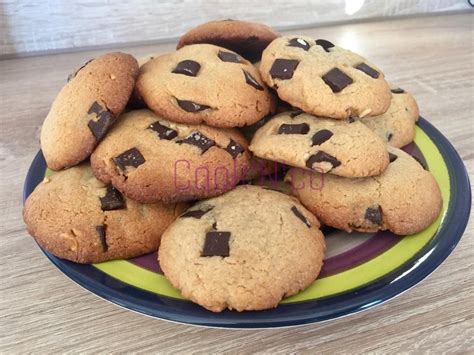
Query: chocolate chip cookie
<point>203,83</point>
<point>397,125</point>
<point>86,107</point>
<point>152,159</point>
<point>249,39</point>
<point>404,199</point>
<point>76,217</point>
<point>244,250</point>
<point>323,79</point>
<point>325,145</point>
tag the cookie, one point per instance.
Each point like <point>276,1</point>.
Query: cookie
<point>86,107</point>
<point>404,199</point>
<point>74,216</point>
<point>322,144</point>
<point>249,39</point>
<point>244,250</point>
<point>323,79</point>
<point>207,84</point>
<point>151,159</point>
<point>397,125</point>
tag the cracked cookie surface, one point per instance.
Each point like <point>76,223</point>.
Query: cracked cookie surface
<point>404,199</point>
<point>323,79</point>
<point>76,217</point>
<point>321,144</point>
<point>152,159</point>
<point>397,125</point>
<point>204,83</point>
<point>244,250</point>
<point>86,108</point>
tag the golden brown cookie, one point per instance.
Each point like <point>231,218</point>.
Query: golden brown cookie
<point>76,217</point>
<point>249,39</point>
<point>152,159</point>
<point>404,199</point>
<point>86,107</point>
<point>244,250</point>
<point>207,84</point>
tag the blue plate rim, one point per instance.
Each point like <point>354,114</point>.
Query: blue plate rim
<point>351,302</point>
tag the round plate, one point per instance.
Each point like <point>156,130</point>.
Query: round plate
<point>361,270</point>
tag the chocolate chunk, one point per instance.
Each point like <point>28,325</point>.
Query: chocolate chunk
<point>299,42</point>
<point>199,140</point>
<point>216,244</point>
<point>389,136</point>
<point>190,106</point>
<point>322,157</point>
<point>104,122</point>
<point>368,70</point>
<point>101,234</point>
<point>337,80</point>
<point>301,128</point>
<point>73,75</point>
<point>325,44</point>
<point>229,57</point>
<point>249,79</point>
<point>300,216</point>
<point>352,119</point>
<point>95,108</point>
<point>397,91</point>
<point>195,213</point>
<point>392,157</point>
<point>131,157</point>
<point>234,149</point>
<point>163,132</point>
<point>374,215</point>
<point>321,136</point>
<point>283,68</point>
<point>113,200</point>
<point>187,67</point>
<point>295,113</point>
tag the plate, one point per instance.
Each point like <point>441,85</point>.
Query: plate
<point>361,270</point>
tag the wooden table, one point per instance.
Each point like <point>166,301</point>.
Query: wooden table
<point>43,311</point>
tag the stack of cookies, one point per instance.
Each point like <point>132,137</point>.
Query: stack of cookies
<point>166,154</point>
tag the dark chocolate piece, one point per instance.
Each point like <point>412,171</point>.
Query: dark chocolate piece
<point>321,136</point>
<point>283,68</point>
<point>195,213</point>
<point>216,244</point>
<point>300,216</point>
<point>100,127</point>
<point>190,106</point>
<point>397,91</point>
<point>234,149</point>
<point>163,132</point>
<point>337,80</point>
<point>113,200</point>
<point>187,67</point>
<point>301,128</point>
<point>322,157</point>
<point>374,215</point>
<point>389,136</point>
<point>392,157</point>
<point>299,42</point>
<point>325,44</point>
<point>131,157</point>
<point>249,79</point>
<point>199,140</point>
<point>101,234</point>
<point>368,70</point>
<point>229,57</point>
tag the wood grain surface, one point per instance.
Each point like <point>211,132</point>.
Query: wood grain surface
<point>43,311</point>
<point>31,26</point>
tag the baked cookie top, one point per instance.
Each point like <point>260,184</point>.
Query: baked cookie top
<point>404,199</point>
<point>249,39</point>
<point>244,250</point>
<point>323,79</point>
<point>207,84</point>
<point>86,108</point>
<point>325,145</point>
<point>152,159</point>
<point>397,125</point>
<point>76,217</point>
